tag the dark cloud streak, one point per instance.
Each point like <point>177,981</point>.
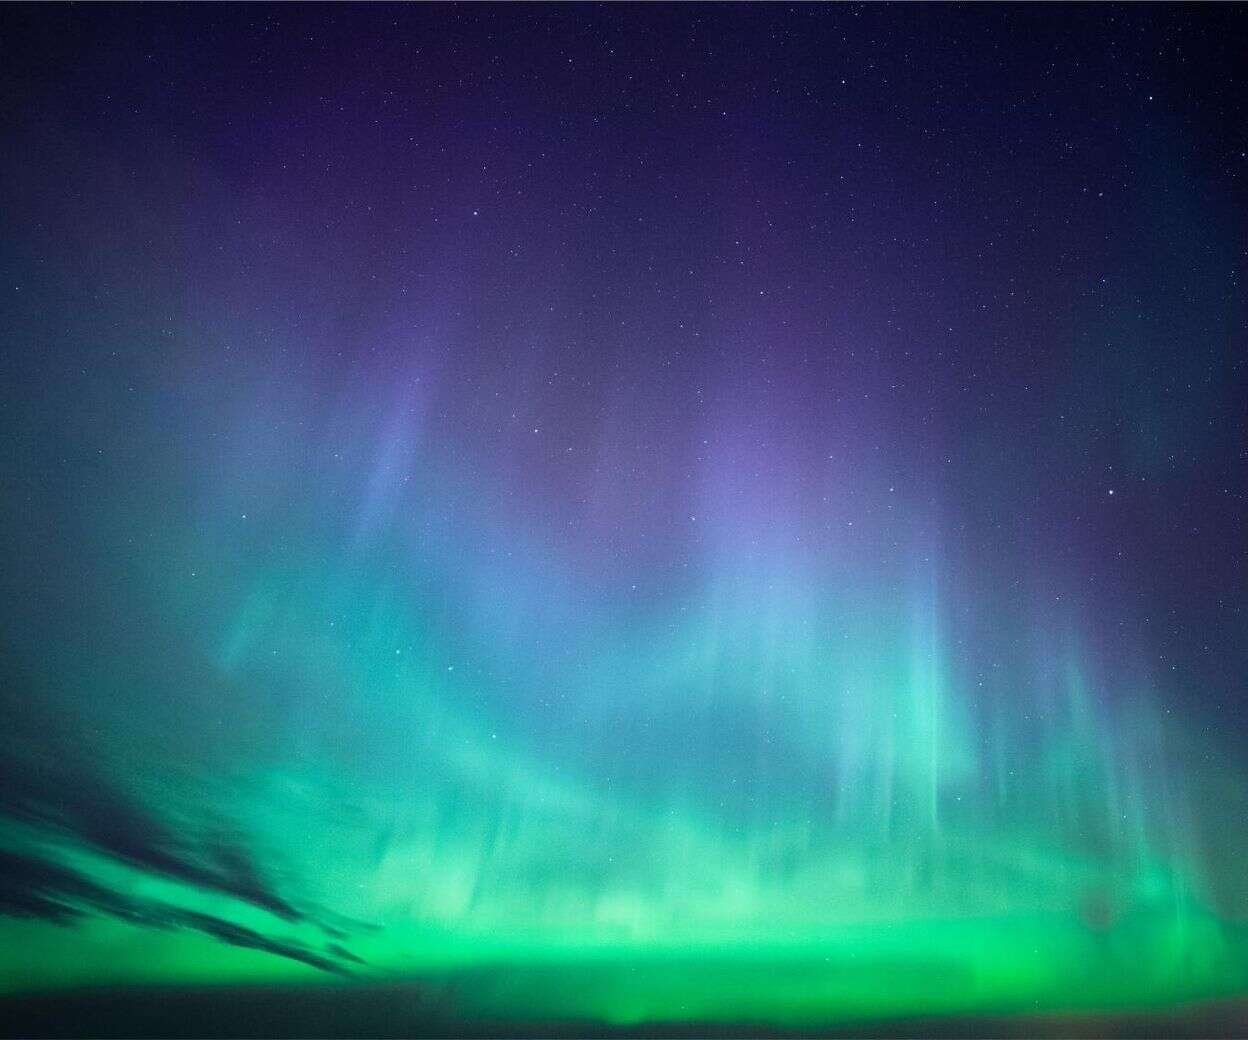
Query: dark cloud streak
<point>63,795</point>
<point>32,887</point>
<point>47,788</point>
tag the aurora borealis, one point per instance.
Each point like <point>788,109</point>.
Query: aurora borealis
<point>558,519</point>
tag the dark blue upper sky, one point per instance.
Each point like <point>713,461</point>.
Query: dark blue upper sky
<point>1003,247</point>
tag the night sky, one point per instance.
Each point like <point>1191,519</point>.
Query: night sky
<point>531,518</point>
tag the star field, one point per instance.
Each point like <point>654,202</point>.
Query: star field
<point>567,518</point>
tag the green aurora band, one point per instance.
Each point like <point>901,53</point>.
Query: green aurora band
<point>789,795</point>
